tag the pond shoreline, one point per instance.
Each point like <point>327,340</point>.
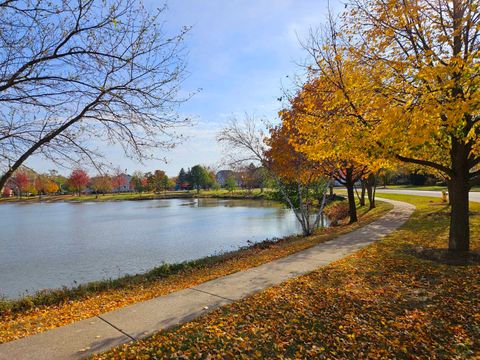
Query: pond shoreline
<point>130,196</point>
<point>56,307</point>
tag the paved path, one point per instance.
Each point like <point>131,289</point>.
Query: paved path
<point>100,333</point>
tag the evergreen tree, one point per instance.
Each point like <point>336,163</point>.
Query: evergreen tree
<point>182,179</point>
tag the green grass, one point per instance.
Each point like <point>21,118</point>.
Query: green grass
<point>415,187</point>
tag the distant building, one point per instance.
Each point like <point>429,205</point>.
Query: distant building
<point>222,176</point>
<point>124,182</point>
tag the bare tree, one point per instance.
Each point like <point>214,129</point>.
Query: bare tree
<point>76,73</point>
<point>244,141</point>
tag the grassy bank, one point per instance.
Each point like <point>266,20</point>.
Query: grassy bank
<point>221,194</point>
<point>50,309</point>
<point>385,301</point>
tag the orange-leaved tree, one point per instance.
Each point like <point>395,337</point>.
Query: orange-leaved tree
<point>301,181</point>
<point>326,132</point>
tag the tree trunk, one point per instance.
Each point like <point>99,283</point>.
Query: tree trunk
<point>371,197</point>
<point>458,188</point>
<point>362,195</point>
<point>459,237</point>
<point>304,213</point>
<point>370,183</point>
<point>352,209</point>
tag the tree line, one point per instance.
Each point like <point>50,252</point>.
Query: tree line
<point>26,182</point>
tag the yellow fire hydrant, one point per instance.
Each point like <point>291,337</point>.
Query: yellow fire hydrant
<point>444,196</point>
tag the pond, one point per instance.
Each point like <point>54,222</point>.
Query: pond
<point>49,245</point>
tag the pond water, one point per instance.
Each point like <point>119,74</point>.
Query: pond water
<point>49,245</point>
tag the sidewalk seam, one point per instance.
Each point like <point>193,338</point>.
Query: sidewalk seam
<point>206,292</point>
<point>117,328</point>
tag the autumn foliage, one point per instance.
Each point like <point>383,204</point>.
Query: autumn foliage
<point>78,180</point>
<point>44,185</point>
<point>21,182</point>
<point>396,82</point>
<point>302,182</point>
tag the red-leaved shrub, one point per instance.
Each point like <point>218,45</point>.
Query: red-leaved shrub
<point>337,211</point>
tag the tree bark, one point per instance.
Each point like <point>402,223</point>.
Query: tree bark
<point>349,184</point>
<point>458,192</point>
<point>362,195</point>
<point>370,184</point>
<point>459,237</point>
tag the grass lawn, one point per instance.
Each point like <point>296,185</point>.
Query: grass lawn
<point>50,309</point>
<point>385,301</point>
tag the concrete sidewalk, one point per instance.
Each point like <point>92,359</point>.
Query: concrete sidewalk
<point>100,333</point>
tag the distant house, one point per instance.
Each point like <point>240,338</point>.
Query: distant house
<point>223,175</point>
<point>122,183</point>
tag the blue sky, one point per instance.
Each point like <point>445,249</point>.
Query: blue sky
<point>240,52</point>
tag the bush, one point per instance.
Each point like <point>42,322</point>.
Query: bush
<point>337,212</point>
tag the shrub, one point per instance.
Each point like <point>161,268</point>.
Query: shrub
<point>337,212</point>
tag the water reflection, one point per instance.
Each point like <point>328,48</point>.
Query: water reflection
<point>54,244</point>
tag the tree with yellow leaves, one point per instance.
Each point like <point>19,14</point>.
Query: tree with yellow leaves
<point>325,132</point>
<point>43,184</point>
<point>406,72</point>
<point>428,54</point>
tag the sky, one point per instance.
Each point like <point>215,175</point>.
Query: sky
<point>241,53</point>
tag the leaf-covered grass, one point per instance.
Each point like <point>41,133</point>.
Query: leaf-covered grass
<point>53,308</point>
<point>381,302</point>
